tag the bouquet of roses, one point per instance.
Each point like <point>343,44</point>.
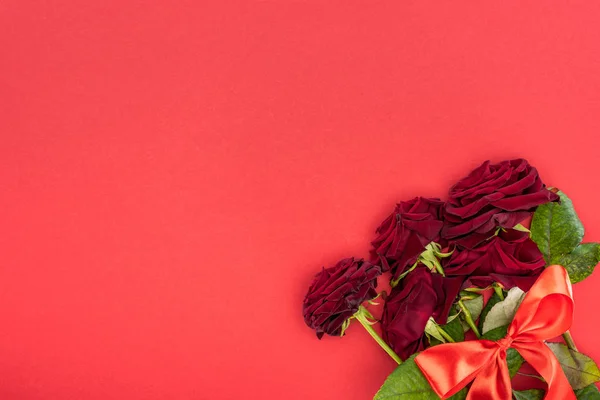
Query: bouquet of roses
<point>474,294</point>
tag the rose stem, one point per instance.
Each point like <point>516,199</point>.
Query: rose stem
<point>498,291</point>
<point>569,340</point>
<point>363,321</point>
<point>445,334</point>
<point>532,376</point>
<point>469,318</point>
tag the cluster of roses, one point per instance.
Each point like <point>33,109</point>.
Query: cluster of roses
<point>434,249</point>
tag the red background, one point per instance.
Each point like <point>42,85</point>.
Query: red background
<point>174,173</point>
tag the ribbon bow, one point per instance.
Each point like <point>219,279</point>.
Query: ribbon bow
<point>545,313</point>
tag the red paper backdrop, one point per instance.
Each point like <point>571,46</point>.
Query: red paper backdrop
<point>173,174</point>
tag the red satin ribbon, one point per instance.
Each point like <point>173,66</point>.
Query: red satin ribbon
<point>545,313</point>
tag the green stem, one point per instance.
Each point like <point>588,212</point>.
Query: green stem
<point>444,334</point>
<point>498,291</point>
<point>532,376</point>
<point>365,323</point>
<point>469,318</point>
<point>569,340</point>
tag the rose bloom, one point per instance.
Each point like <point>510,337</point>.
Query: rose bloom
<point>337,292</point>
<point>405,233</point>
<point>510,258</point>
<point>494,195</point>
<point>419,296</point>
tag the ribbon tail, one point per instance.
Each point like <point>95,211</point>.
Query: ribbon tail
<point>450,367</point>
<point>540,357</point>
<point>493,382</point>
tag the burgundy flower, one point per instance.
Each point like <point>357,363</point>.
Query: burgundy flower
<point>337,292</point>
<point>419,296</point>
<point>406,232</point>
<point>494,195</point>
<point>511,258</point>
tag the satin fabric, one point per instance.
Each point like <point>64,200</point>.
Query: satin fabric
<point>545,313</point>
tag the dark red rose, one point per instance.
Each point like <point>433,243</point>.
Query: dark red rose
<point>494,195</point>
<point>511,258</point>
<point>337,292</point>
<point>419,296</point>
<point>406,232</point>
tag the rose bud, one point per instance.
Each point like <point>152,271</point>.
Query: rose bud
<point>419,296</point>
<point>494,195</point>
<point>406,232</point>
<point>511,258</point>
<point>336,294</point>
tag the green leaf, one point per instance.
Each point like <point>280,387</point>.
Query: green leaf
<point>455,330</point>
<point>581,371</point>
<point>513,358</point>
<point>556,228</point>
<point>408,383</point>
<point>558,232</point>
<point>503,312</point>
<point>588,393</point>
<point>514,361</point>
<point>580,262</point>
<point>531,394</point>
<point>495,334</point>
<point>433,332</point>
<point>488,306</point>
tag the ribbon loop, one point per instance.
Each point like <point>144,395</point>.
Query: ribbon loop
<point>546,312</point>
